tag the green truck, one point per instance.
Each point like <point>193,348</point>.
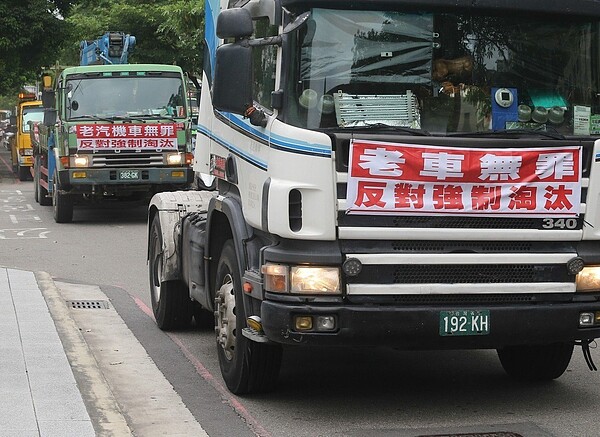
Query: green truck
<point>111,131</point>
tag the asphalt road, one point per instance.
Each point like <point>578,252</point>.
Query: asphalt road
<point>322,392</point>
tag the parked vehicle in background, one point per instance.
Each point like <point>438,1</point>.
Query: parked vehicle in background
<point>5,132</point>
<point>28,111</point>
<point>4,116</point>
<point>113,131</point>
<point>413,174</point>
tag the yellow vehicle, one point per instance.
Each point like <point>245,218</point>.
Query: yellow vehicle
<point>28,110</point>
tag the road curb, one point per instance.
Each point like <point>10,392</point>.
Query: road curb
<point>103,409</point>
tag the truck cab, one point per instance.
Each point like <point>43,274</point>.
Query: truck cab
<point>407,173</point>
<point>112,132</point>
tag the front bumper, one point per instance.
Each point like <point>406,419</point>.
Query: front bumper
<point>25,160</point>
<point>172,176</point>
<point>418,327</point>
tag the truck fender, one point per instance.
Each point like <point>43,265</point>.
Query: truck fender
<point>226,220</point>
<point>171,207</point>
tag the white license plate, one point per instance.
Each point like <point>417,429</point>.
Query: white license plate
<point>129,174</point>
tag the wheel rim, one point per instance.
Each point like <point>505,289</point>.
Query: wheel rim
<point>226,323</point>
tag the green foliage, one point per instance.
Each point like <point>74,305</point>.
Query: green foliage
<point>38,33</point>
<point>183,28</point>
<point>8,102</point>
<point>31,31</point>
<point>167,32</point>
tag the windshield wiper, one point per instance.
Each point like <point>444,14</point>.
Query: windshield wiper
<point>129,118</point>
<point>158,116</point>
<point>93,117</point>
<point>501,132</point>
<point>383,126</point>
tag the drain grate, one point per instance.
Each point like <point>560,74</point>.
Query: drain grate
<point>478,434</point>
<point>88,304</point>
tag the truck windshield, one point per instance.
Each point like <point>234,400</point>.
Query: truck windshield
<point>31,114</point>
<point>445,72</point>
<point>121,96</point>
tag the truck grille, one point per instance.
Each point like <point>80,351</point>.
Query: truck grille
<point>461,274</point>
<point>443,222</point>
<point>454,246</point>
<point>458,299</point>
<point>115,160</point>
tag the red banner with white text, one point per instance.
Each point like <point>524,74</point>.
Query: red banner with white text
<point>402,179</point>
<point>151,136</point>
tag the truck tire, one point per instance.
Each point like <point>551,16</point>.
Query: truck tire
<point>246,366</point>
<point>23,173</point>
<point>171,304</point>
<point>62,204</point>
<point>536,362</point>
<point>36,182</point>
<point>41,194</point>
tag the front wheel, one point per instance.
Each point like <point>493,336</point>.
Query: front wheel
<point>24,173</point>
<point>171,304</point>
<point>536,362</point>
<point>246,366</point>
<point>62,203</point>
<point>36,181</point>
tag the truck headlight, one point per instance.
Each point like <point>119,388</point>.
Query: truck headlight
<point>588,279</point>
<point>174,159</point>
<point>280,278</point>
<point>315,280</point>
<point>80,161</point>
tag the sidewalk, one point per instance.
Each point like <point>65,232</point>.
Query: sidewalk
<point>39,395</point>
<point>59,372</point>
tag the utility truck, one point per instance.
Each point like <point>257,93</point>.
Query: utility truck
<point>111,131</point>
<point>110,48</point>
<point>28,110</point>
<point>411,173</point>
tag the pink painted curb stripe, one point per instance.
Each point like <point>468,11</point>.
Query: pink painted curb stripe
<point>6,164</point>
<point>208,377</point>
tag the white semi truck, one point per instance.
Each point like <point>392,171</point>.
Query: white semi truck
<point>412,173</point>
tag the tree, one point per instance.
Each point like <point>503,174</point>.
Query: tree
<point>38,33</point>
<point>183,28</point>
<point>166,31</point>
<point>31,33</point>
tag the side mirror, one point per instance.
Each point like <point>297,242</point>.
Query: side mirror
<point>234,23</point>
<point>232,86</point>
<point>13,120</point>
<point>48,98</point>
<point>50,116</point>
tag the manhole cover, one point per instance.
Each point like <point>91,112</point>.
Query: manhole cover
<point>88,304</point>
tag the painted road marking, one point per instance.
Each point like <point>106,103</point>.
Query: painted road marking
<point>19,212</point>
